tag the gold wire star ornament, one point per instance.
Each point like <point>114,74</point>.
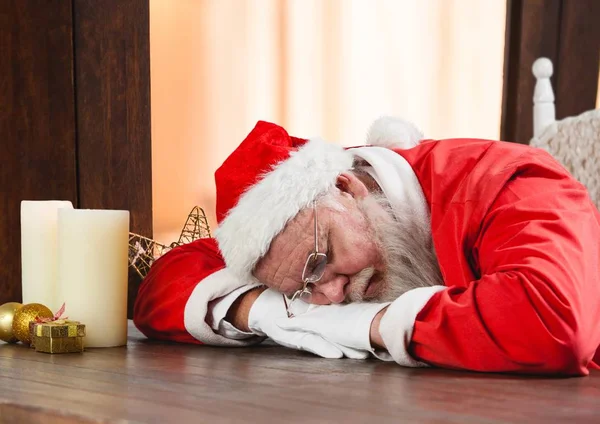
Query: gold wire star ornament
<point>143,251</point>
<point>195,227</point>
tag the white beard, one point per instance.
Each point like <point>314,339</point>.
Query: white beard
<point>407,247</point>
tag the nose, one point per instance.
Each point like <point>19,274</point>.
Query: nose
<point>333,288</point>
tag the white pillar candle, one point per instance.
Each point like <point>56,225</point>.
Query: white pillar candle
<point>39,221</point>
<point>92,272</point>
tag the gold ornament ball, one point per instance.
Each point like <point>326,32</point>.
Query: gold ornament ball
<point>24,316</point>
<point>7,314</point>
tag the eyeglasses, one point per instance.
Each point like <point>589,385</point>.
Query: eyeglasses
<point>314,268</point>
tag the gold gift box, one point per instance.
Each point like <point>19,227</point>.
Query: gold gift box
<point>60,336</point>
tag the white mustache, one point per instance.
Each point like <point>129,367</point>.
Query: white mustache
<point>358,284</point>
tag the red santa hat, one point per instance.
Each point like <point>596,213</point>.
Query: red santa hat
<point>272,176</point>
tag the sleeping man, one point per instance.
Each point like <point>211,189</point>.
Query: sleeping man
<point>461,253</point>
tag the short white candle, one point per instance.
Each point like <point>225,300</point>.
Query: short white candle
<point>39,221</point>
<point>92,272</point>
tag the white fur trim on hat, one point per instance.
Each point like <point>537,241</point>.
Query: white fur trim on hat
<point>262,212</point>
<point>394,133</point>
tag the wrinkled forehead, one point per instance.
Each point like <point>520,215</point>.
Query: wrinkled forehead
<point>282,265</point>
<point>297,237</point>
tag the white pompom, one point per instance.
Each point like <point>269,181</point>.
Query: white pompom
<point>394,133</point>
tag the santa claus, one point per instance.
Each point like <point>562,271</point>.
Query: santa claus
<point>461,253</point>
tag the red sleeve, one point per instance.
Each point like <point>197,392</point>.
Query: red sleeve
<point>536,307</point>
<point>162,297</point>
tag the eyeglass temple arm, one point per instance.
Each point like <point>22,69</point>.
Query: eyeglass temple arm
<point>316,233</point>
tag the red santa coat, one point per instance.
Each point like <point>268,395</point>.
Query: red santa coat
<point>173,301</point>
<point>518,242</point>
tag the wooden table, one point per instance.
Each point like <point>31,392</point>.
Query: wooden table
<point>154,382</point>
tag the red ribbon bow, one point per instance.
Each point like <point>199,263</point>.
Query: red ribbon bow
<point>57,316</point>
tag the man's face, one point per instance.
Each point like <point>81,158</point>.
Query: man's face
<point>355,266</point>
<point>375,251</point>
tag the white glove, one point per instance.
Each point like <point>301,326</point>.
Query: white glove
<point>344,325</point>
<point>269,307</point>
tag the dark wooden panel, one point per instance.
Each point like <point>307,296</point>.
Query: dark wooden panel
<point>37,125</point>
<point>533,30</point>
<point>578,57</point>
<point>175,383</point>
<point>112,74</point>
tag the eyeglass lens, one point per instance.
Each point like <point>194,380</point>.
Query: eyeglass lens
<point>315,267</point>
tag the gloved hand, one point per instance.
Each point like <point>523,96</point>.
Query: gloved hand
<point>344,325</point>
<point>269,307</point>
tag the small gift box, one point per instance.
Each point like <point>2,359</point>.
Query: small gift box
<point>60,336</point>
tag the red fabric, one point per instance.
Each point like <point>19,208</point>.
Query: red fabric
<point>518,242</point>
<point>160,304</point>
<point>266,146</point>
<point>517,239</point>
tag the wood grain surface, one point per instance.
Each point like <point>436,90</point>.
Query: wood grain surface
<point>74,115</point>
<point>112,81</point>
<point>579,58</point>
<point>37,120</point>
<point>155,382</point>
<point>532,31</point>
<point>566,32</point>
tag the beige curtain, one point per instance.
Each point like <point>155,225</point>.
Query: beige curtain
<point>316,67</point>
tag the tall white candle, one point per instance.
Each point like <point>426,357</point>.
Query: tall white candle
<point>38,250</point>
<point>92,272</point>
